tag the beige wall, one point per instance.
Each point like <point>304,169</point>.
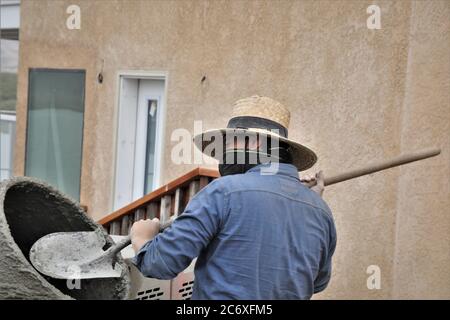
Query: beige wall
<point>355,94</point>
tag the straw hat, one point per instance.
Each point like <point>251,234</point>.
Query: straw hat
<point>263,116</point>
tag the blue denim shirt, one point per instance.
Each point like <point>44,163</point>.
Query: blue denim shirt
<point>256,236</point>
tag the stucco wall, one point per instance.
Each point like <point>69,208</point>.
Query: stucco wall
<point>355,94</point>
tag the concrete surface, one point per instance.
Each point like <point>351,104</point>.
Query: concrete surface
<point>355,94</point>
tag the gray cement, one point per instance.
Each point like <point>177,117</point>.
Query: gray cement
<point>30,209</point>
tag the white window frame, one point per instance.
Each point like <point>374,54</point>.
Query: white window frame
<point>10,117</point>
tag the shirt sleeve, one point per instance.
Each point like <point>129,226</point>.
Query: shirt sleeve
<point>172,251</point>
<point>324,275</point>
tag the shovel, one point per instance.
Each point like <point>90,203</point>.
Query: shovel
<point>78,255</point>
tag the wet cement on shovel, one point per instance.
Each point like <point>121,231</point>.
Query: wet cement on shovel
<point>29,210</point>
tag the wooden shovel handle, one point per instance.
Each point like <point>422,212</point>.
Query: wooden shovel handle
<point>379,166</point>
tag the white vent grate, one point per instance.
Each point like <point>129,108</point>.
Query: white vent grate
<point>151,294</point>
<point>143,288</point>
<point>186,290</point>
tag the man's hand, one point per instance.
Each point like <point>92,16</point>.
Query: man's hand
<point>143,231</point>
<point>315,183</point>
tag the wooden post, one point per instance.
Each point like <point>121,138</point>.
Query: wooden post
<point>178,199</point>
<point>193,188</point>
<point>124,225</point>
<point>139,214</point>
<point>152,210</point>
<point>114,228</point>
<point>203,182</point>
<point>164,214</point>
<point>130,222</point>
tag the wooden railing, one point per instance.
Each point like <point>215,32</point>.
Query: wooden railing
<point>163,203</point>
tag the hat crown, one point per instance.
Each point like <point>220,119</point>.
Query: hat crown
<point>262,107</point>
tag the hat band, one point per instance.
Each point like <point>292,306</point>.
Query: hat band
<point>246,122</point>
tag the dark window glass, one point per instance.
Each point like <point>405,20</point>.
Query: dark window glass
<point>55,128</point>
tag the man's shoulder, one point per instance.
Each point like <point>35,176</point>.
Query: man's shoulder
<point>320,203</point>
<point>246,182</point>
<point>239,182</point>
<point>233,183</point>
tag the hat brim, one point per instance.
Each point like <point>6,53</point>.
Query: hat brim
<point>303,157</point>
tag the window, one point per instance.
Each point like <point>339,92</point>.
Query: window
<point>7,140</point>
<point>152,110</point>
<point>55,128</point>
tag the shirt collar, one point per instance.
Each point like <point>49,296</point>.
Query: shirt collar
<point>285,169</point>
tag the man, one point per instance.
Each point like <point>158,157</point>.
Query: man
<point>258,231</point>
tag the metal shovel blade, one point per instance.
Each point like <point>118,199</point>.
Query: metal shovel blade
<point>74,255</point>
